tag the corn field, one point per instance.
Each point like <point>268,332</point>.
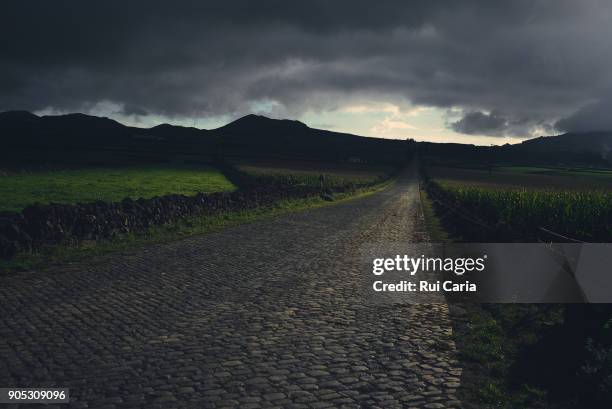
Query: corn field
<point>585,216</point>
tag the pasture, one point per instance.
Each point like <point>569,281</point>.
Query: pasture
<point>18,190</point>
<point>356,173</point>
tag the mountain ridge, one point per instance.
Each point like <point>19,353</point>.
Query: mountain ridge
<point>31,137</point>
<point>261,136</point>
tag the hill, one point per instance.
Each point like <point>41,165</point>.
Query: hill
<point>573,149</point>
<point>255,135</point>
<point>598,143</point>
<point>83,139</point>
<point>79,138</point>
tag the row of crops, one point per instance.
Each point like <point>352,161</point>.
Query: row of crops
<point>523,214</point>
<point>543,346</point>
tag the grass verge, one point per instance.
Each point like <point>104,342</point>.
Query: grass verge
<point>489,338</point>
<point>190,226</point>
<point>432,222</point>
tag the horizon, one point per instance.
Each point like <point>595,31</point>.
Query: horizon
<point>368,126</point>
<point>256,115</point>
<point>468,72</point>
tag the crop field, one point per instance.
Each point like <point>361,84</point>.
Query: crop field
<point>17,190</point>
<point>516,204</point>
<point>355,173</point>
<point>521,177</point>
<point>581,215</point>
<point>576,203</point>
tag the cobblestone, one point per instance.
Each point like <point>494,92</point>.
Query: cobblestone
<point>268,314</point>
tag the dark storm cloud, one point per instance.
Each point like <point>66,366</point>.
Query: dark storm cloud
<point>593,117</point>
<point>479,123</point>
<point>535,61</point>
<point>497,124</point>
<point>133,110</point>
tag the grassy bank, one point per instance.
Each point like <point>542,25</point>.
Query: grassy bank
<point>491,339</point>
<point>432,222</point>
<point>18,190</point>
<point>189,226</point>
<point>488,342</point>
<point>527,355</point>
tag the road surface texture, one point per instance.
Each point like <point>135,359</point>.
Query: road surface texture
<point>267,314</point>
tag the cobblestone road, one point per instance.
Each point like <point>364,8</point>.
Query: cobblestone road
<point>261,315</point>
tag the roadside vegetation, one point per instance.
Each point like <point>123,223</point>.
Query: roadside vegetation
<point>492,339</point>
<point>187,227</point>
<point>310,192</point>
<point>528,214</point>
<point>527,355</point>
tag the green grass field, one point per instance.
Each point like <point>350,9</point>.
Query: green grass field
<point>18,190</point>
<point>524,177</point>
<point>190,226</point>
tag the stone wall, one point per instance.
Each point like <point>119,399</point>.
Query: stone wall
<point>40,225</point>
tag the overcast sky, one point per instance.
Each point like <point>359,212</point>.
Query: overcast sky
<point>464,71</point>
